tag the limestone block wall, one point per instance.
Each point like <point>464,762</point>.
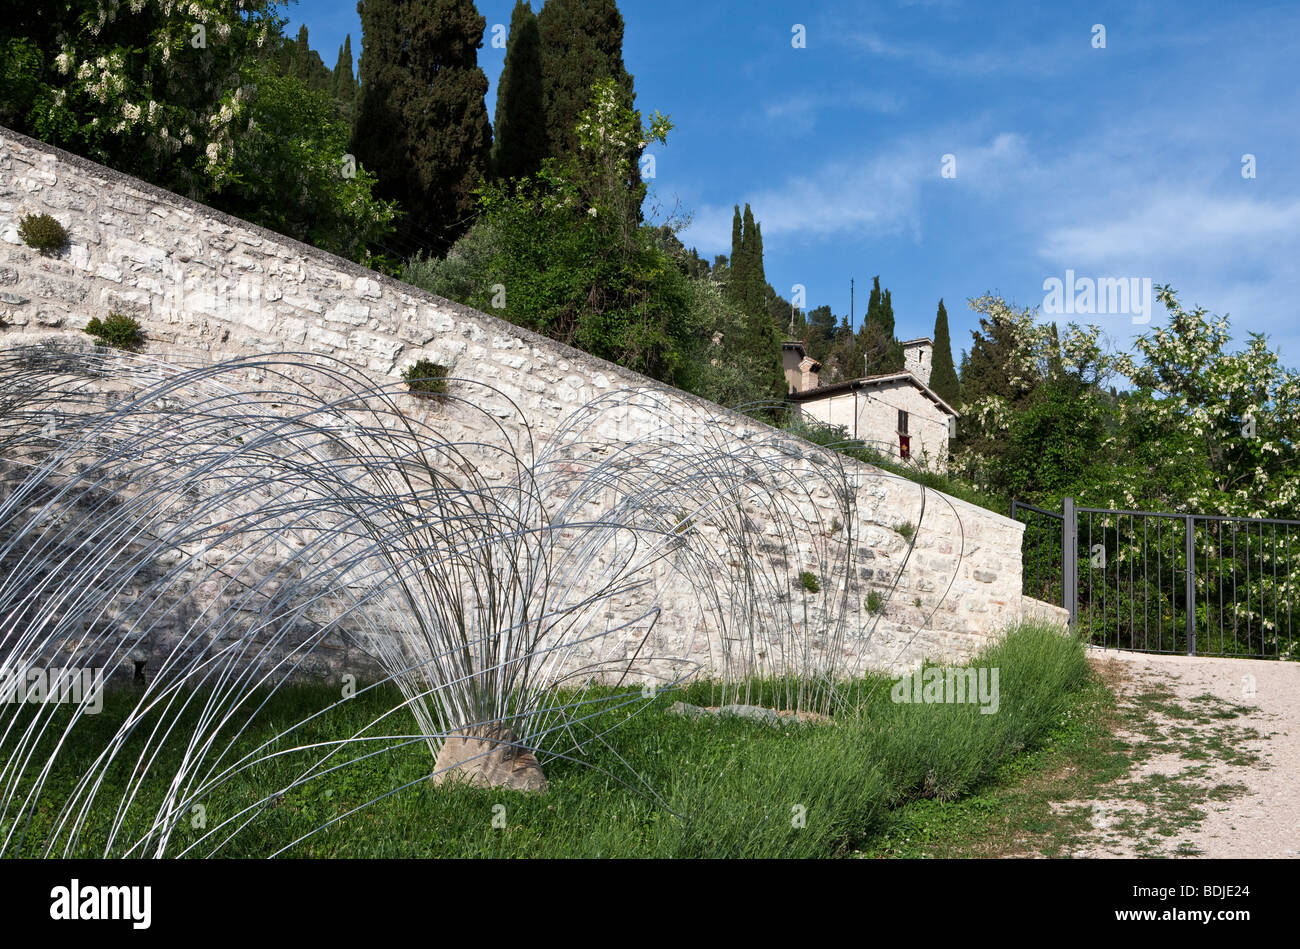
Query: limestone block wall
<point>207,286</point>
<point>918,358</point>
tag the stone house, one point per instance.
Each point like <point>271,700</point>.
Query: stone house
<point>897,412</point>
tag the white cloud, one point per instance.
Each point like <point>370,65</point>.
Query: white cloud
<point>1231,255</point>
<point>1173,225</point>
<point>877,196</point>
<point>971,59</point>
<point>800,112</point>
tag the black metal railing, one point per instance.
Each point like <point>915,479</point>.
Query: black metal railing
<point>1172,583</point>
<point>1040,551</point>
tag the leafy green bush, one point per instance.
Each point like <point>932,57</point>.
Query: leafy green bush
<point>904,529</point>
<point>426,378</point>
<point>943,751</point>
<point>875,602</point>
<point>118,331</point>
<point>808,580</point>
<point>292,171</point>
<point>42,232</point>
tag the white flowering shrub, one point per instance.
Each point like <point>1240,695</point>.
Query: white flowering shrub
<point>611,138</point>
<point>152,87</point>
<point>189,94</point>
<point>1035,367</point>
<point>1232,418</point>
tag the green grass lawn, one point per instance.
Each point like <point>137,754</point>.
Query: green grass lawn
<point>657,785</point>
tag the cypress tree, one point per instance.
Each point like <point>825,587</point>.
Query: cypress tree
<point>943,374</point>
<point>520,129</point>
<point>878,349</point>
<point>873,304</point>
<point>760,279</point>
<point>762,334</point>
<point>736,279</point>
<point>581,41</point>
<point>421,123</point>
<point>755,280</point>
<point>894,358</point>
<point>302,62</point>
<point>343,82</point>
<point>886,318</point>
<point>344,86</point>
<point>869,343</point>
<point>302,55</point>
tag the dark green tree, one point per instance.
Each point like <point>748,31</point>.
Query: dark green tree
<point>421,123</point>
<point>736,275</point>
<point>762,336</point>
<point>873,304</point>
<point>299,60</point>
<point>755,276</point>
<point>887,314</point>
<point>782,314</point>
<point>990,367</point>
<point>878,350</point>
<point>344,81</point>
<point>520,142</point>
<point>821,327</point>
<point>943,375</point>
<point>581,41</point>
<point>841,360</point>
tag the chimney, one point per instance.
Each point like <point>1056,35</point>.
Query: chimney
<point>800,368</point>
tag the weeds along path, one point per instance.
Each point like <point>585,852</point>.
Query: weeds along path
<point>1215,747</point>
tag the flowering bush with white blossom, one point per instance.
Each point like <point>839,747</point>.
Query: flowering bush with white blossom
<point>153,87</point>
<point>190,95</point>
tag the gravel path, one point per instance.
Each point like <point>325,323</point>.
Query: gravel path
<point>1217,749</point>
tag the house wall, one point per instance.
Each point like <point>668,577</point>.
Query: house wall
<point>871,414</point>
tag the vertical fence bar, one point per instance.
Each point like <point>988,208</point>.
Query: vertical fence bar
<point>1190,588</point>
<point>1069,563</point>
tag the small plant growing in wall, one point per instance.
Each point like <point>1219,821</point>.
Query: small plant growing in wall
<point>118,331</point>
<point>875,603</point>
<point>905,530</point>
<point>808,580</point>
<point>43,233</point>
<point>426,378</point>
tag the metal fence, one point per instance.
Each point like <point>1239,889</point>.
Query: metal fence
<point>1041,551</point>
<point>1171,583</point>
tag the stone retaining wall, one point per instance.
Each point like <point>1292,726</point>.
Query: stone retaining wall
<point>208,286</point>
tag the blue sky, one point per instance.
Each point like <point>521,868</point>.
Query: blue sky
<point>1116,162</point>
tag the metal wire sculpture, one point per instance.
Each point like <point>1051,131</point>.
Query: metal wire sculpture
<point>230,527</point>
